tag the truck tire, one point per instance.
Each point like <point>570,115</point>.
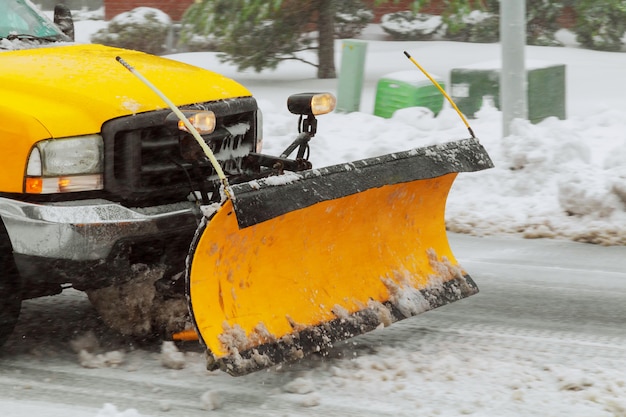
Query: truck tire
<point>10,288</point>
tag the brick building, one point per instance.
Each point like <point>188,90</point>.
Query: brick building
<point>176,8</point>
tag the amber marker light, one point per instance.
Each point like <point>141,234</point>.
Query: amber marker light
<point>203,121</point>
<point>34,185</point>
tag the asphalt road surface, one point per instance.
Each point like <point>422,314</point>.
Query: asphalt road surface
<point>563,300</point>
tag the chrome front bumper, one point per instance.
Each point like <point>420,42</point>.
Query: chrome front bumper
<point>87,230</point>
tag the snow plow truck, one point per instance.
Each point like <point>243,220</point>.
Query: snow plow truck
<point>157,201</point>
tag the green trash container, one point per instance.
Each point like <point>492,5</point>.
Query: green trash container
<point>471,84</point>
<point>403,89</point>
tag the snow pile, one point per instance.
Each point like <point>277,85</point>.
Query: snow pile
<point>142,16</point>
<point>171,357</point>
<point>211,400</point>
<point>305,389</point>
<point>557,179</point>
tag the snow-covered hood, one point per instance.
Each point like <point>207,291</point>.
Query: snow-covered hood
<point>73,89</point>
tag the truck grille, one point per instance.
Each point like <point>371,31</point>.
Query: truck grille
<point>144,164</point>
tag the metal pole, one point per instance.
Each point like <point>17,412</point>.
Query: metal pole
<point>513,83</point>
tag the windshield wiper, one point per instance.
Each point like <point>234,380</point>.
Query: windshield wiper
<point>28,37</point>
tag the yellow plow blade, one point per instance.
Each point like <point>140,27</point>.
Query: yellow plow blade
<point>304,260</point>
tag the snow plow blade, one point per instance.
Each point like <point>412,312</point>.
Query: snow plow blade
<point>303,260</point>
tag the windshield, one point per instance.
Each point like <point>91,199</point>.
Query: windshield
<point>21,18</point>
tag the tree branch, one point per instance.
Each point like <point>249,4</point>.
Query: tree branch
<point>295,58</point>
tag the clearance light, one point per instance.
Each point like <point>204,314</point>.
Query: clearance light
<point>39,185</point>
<point>203,120</point>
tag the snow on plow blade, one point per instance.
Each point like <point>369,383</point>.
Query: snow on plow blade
<point>304,260</point>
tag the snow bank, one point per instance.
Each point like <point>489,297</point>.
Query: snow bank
<point>142,16</point>
<point>560,179</point>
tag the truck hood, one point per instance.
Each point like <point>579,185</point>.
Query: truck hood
<point>73,89</point>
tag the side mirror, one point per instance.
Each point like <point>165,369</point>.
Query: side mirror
<point>63,19</point>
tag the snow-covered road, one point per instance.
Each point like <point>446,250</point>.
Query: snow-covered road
<point>545,336</point>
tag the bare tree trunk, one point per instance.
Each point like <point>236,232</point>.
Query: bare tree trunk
<point>326,28</point>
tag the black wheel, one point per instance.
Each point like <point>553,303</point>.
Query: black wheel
<point>10,288</point>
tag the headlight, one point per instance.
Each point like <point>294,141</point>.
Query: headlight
<point>311,103</point>
<point>65,165</point>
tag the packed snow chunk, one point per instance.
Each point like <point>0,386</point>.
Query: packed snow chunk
<point>238,129</point>
<point>87,342</point>
<point>300,386</point>
<point>235,338</point>
<point>135,308</point>
<point>305,389</point>
<point>340,312</point>
<point>211,400</point>
<point>254,184</point>
<point>410,301</point>
<point>210,209</point>
<point>109,410</point>
<point>287,178</point>
<point>310,400</point>
<point>111,359</point>
<point>443,267</point>
<point>171,357</point>
<point>86,347</point>
<point>407,299</point>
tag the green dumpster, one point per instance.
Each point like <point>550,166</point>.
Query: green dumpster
<point>403,89</point>
<point>472,84</point>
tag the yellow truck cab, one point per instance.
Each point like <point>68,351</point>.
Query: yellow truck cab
<point>94,176</point>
